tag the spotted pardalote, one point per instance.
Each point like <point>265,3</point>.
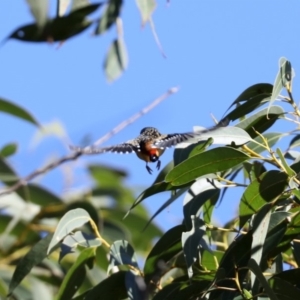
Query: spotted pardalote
<point>149,145</point>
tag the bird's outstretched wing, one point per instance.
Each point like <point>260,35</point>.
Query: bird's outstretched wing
<point>173,139</point>
<point>120,148</point>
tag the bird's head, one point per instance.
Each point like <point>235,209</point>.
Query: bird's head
<point>150,132</point>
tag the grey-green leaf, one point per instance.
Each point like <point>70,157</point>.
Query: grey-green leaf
<point>73,219</point>
<point>116,60</point>
<point>39,9</point>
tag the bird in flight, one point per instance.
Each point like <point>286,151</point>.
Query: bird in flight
<point>149,145</point>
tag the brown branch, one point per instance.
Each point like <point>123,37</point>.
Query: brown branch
<point>24,181</point>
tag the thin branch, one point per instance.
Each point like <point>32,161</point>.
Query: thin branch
<point>136,116</point>
<point>24,181</point>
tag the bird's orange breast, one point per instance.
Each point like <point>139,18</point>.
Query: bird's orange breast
<point>147,151</point>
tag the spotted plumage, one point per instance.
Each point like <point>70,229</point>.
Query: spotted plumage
<point>148,146</point>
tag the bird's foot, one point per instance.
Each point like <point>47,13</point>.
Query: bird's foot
<point>158,165</point>
<point>149,169</point>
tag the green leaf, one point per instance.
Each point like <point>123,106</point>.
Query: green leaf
<point>211,161</point>
<point>287,168</point>
<point>35,256</point>
<point>17,111</point>
<point>259,89</point>
<point>254,267</point>
<point>8,150</point>
<point>73,219</point>
<point>166,248</point>
<point>284,290</point>
<point>146,8</point>
<point>76,274</point>
<point>41,196</point>
<point>111,12</point>
<point>260,121</point>
<point>112,287</point>
<point>191,243</point>
<point>265,189</point>
<point>181,154</point>
<point>39,9</point>
<point>121,253</point>
<point>116,60</point>
<point>250,105</point>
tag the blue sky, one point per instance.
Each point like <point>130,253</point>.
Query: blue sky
<point>214,49</point>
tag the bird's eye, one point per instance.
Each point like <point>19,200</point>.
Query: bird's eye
<point>153,158</point>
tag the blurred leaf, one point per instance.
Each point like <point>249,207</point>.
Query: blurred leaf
<point>112,287</point>
<point>58,29</point>
<point>9,149</point>
<point>76,274</point>
<point>106,176</point>
<point>62,6</point>
<point>39,9</point>
<point>260,121</point>
<point>54,128</point>
<point>129,223</point>
<point>73,219</point>
<point>17,111</point>
<point>211,161</point>
<point>109,16</point>
<point>41,196</point>
<point>121,253</point>
<point>210,259</point>
<point>264,189</point>
<point>191,243</point>
<point>76,4</point>
<point>35,256</point>
<point>283,289</point>
<point>166,248</point>
<point>116,60</point>
<point>136,287</point>
<point>146,8</point>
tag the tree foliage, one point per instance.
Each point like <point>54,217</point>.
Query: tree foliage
<point>84,248</point>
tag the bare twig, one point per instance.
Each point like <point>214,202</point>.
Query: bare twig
<point>24,181</point>
<point>136,116</point>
